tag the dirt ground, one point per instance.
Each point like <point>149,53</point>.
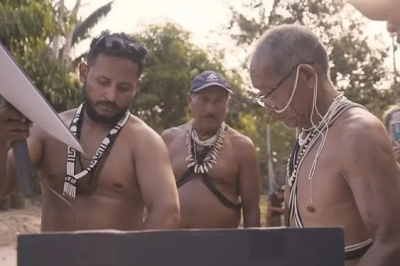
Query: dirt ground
<point>12,223</point>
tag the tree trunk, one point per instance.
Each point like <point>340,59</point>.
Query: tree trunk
<point>68,39</point>
<point>57,38</point>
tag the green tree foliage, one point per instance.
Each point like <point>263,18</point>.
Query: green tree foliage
<point>357,69</point>
<point>173,61</point>
<point>83,27</point>
<point>26,30</point>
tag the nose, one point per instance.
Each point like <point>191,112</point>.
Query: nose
<point>110,94</point>
<point>210,108</point>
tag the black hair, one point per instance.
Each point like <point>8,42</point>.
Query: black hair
<point>97,47</point>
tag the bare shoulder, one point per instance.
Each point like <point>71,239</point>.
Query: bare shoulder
<point>143,139</point>
<point>241,143</point>
<point>364,143</point>
<point>170,134</point>
<point>358,126</point>
<point>239,140</point>
<point>145,142</point>
<point>140,131</point>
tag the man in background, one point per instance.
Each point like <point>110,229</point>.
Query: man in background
<point>216,168</point>
<point>391,120</point>
<point>275,209</point>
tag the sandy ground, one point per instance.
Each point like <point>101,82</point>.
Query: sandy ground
<point>8,256</point>
<point>12,223</point>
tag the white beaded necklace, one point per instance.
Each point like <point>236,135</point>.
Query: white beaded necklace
<point>215,142</point>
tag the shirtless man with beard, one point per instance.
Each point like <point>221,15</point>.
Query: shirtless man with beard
<point>342,171</point>
<point>216,167</point>
<point>130,168</point>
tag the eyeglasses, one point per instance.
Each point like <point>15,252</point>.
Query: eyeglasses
<point>264,100</point>
<point>117,44</point>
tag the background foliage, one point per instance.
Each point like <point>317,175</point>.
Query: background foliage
<point>41,35</point>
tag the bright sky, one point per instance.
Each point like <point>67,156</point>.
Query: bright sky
<point>201,17</point>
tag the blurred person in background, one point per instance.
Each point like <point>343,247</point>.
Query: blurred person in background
<point>275,209</point>
<point>391,119</point>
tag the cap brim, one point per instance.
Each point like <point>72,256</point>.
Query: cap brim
<point>212,84</point>
<point>377,10</point>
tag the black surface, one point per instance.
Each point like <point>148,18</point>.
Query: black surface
<point>240,247</point>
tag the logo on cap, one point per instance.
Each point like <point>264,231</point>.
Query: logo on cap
<point>212,77</point>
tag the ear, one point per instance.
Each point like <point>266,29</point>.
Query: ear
<point>308,74</point>
<point>229,98</point>
<point>189,98</point>
<point>83,71</point>
<point>138,83</point>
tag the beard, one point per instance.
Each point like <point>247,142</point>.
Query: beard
<point>90,109</point>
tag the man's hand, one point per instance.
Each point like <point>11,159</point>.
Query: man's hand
<point>277,209</point>
<point>13,125</point>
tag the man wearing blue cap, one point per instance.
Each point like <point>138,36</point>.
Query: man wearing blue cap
<point>216,167</point>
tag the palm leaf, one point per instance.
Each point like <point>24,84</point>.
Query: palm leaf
<point>82,29</point>
<point>77,60</point>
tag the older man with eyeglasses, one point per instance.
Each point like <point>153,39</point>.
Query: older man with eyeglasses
<point>126,167</point>
<point>342,171</point>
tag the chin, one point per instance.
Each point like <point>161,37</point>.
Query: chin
<point>102,118</point>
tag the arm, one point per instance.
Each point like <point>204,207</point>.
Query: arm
<point>372,174</point>
<point>35,146</point>
<point>277,209</point>
<point>249,181</point>
<point>157,182</point>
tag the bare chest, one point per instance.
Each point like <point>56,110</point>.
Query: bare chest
<point>225,171</point>
<point>114,174</point>
<point>321,189</point>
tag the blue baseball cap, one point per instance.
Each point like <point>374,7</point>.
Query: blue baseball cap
<point>208,79</point>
